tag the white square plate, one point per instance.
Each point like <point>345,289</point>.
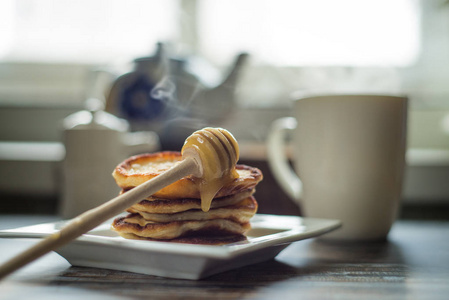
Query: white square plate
<point>103,248</point>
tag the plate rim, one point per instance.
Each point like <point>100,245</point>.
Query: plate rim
<point>301,228</point>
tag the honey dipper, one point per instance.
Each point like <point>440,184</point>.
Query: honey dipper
<point>209,155</point>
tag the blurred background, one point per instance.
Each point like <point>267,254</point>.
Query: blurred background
<point>168,67</point>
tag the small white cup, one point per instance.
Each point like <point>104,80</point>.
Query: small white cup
<point>349,154</point>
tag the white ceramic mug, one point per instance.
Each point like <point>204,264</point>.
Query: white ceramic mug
<point>95,142</point>
<point>348,153</point>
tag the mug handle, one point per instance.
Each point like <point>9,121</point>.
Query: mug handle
<point>277,158</point>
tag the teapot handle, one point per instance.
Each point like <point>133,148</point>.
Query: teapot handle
<point>278,161</point>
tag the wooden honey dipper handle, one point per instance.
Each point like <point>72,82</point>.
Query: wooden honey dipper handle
<point>94,217</point>
<point>210,154</point>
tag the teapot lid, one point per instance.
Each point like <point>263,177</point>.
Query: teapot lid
<point>94,118</point>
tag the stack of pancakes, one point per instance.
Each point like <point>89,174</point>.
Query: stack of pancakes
<point>174,213</point>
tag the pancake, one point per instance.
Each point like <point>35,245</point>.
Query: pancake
<point>175,214</point>
<point>241,212</point>
<point>198,240</point>
<point>140,168</point>
<point>168,206</point>
<point>137,225</point>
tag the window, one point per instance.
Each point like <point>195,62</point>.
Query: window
<point>320,32</point>
<point>278,32</point>
<point>373,46</point>
<point>86,31</point>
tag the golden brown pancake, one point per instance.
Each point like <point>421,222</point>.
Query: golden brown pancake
<point>135,224</point>
<point>241,212</point>
<point>174,213</point>
<point>169,206</point>
<point>140,168</point>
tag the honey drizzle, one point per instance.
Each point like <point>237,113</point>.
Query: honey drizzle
<point>219,152</point>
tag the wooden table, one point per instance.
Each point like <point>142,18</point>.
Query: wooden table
<point>413,264</point>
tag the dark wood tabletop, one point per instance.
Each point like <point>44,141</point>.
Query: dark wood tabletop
<point>412,264</point>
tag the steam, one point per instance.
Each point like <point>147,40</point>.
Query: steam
<point>178,113</point>
<point>164,90</point>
